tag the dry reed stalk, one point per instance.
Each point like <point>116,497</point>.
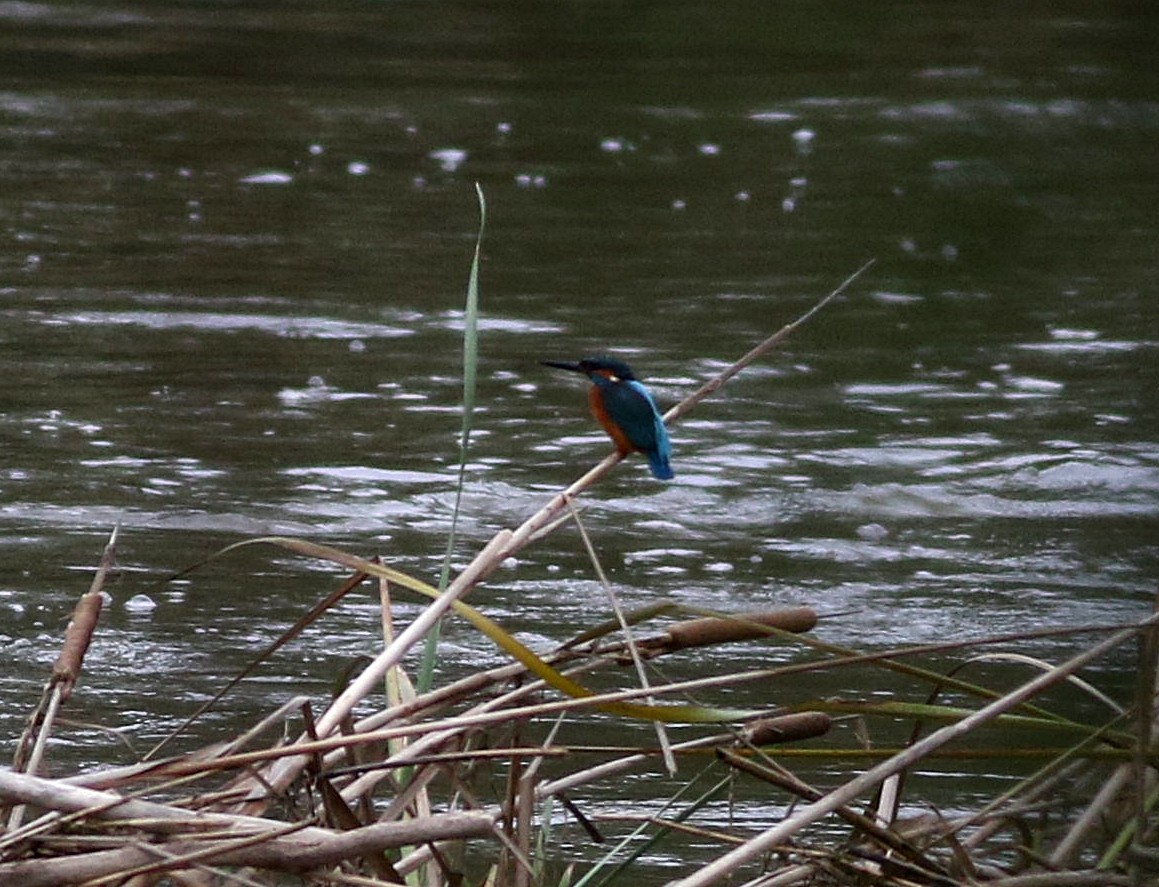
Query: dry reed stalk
<point>53,794</point>
<point>399,691</point>
<point>523,784</point>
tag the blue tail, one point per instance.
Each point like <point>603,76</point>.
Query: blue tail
<point>658,462</point>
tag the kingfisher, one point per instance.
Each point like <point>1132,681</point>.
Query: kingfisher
<point>625,410</point>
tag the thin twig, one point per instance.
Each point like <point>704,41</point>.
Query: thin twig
<point>629,637</point>
<point>764,347</point>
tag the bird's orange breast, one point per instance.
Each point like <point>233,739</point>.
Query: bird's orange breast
<point>596,401</point>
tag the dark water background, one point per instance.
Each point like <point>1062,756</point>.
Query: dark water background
<point>236,241</point>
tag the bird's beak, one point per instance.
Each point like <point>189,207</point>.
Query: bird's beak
<point>574,367</point>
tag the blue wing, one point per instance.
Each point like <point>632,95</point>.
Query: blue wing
<point>632,408</point>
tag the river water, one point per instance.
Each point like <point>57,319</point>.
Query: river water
<point>237,239</point>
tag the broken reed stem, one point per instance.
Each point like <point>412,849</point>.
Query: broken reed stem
<point>65,673</point>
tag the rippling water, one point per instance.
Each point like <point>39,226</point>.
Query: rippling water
<point>231,306</point>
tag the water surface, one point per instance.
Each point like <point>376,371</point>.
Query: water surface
<point>230,305</point>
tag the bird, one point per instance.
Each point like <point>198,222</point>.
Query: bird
<point>625,410</point>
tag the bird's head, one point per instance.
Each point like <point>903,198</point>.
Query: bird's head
<point>606,367</point>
